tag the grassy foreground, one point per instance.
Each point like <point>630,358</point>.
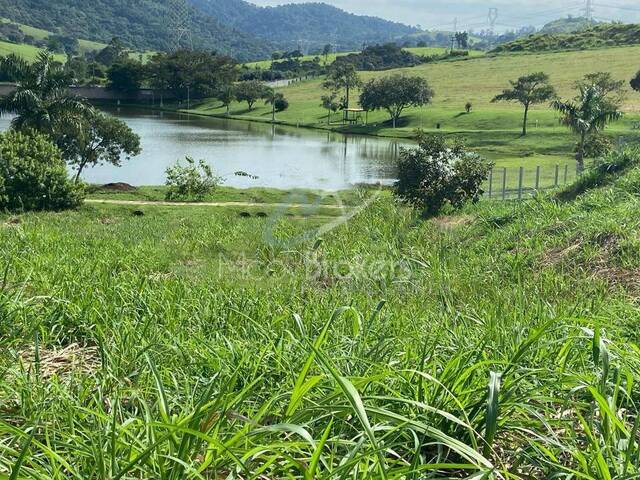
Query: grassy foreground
<point>193,343</point>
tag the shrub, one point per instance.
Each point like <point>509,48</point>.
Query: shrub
<point>33,175</point>
<point>596,146</point>
<point>438,173</point>
<point>193,181</point>
<point>281,104</point>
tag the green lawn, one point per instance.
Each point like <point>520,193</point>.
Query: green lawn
<point>494,129</point>
<point>28,52</point>
<point>194,343</point>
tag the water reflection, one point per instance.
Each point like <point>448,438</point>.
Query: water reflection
<point>279,156</point>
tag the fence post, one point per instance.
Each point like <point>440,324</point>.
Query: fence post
<point>566,174</point>
<point>557,176</point>
<point>520,179</point>
<point>490,183</point>
<point>538,177</point>
<point>504,183</point>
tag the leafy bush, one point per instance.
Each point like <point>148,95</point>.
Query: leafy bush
<point>33,175</point>
<point>596,146</point>
<point>193,181</point>
<point>438,173</point>
<point>281,103</point>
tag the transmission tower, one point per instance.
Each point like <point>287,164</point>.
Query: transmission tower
<point>180,24</point>
<point>492,19</point>
<point>588,10</point>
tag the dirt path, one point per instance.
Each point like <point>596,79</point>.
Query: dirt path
<point>140,203</point>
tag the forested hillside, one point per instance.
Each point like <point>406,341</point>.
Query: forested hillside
<point>141,24</point>
<point>316,23</point>
<point>233,27</point>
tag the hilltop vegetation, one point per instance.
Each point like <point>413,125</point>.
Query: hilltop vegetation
<point>316,23</point>
<point>568,25</point>
<point>232,27</point>
<point>599,36</point>
<point>143,25</point>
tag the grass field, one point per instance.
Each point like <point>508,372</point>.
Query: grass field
<point>196,344</point>
<point>494,129</point>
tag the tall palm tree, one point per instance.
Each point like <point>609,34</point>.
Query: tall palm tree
<point>41,100</point>
<point>589,114</point>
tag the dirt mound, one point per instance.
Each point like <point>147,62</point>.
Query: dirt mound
<point>118,187</point>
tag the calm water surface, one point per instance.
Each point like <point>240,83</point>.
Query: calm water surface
<point>280,157</point>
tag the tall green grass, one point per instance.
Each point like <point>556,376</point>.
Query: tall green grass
<point>501,343</point>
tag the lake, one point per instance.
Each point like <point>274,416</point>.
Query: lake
<point>281,157</point>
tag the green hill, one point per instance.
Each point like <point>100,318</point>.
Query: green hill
<point>568,25</point>
<point>599,36</point>
<point>142,25</point>
<point>308,25</point>
<point>233,27</point>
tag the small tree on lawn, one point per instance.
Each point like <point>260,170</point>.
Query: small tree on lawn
<point>277,101</point>
<point>250,91</point>
<point>394,94</point>
<point>331,104</point>
<point>226,95</point>
<point>97,140</point>
<point>326,51</point>
<point>528,90</point>
<point>587,115</point>
<point>342,76</point>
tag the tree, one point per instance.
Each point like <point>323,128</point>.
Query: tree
<point>395,93</point>
<point>587,115</point>
<point>462,40</point>
<point>114,52</point>
<point>610,88</point>
<point>226,95</point>
<point>126,76</point>
<point>99,139</point>
<point>635,82</point>
<point>277,101</point>
<point>192,73</point>
<point>326,51</point>
<point>250,91</point>
<point>41,100</point>
<point>528,90</point>
<point>331,104</point>
<point>342,75</point>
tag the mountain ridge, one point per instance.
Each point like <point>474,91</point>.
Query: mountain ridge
<point>234,27</point>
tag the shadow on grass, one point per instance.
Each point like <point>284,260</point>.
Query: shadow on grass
<point>603,173</point>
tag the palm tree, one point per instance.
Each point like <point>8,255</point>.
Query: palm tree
<point>273,98</point>
<point>41,100</point>
<point>589,114</point>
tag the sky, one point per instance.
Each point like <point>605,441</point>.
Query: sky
<point>473,14</point>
